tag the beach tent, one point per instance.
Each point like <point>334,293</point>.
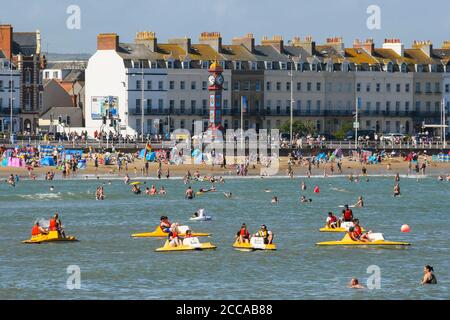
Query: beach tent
<point>81,164</point>
<point>47,161</point>
<point>151,156</point>
<point>4,162</point>
<point>338,153</point>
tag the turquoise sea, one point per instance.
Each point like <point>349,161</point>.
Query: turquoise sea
<point>115,266</point>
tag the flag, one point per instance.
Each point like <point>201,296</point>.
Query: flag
<point>244,104</point>
<point>359,103</point>
<point>148,149</point>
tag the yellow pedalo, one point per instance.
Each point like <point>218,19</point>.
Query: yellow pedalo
<point>189,244</point>
<point>158,233</point>
<point>52,236</point>
<point>256,243</point>
<point>343,228</point>
<point>376,239</point>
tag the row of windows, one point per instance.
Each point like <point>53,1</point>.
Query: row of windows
<point>388,88</point>
<point>149,85</point>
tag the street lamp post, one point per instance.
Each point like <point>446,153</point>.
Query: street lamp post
<point>142,102</point>
<point>292,102</point>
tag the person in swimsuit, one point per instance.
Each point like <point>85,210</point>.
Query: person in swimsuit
<point>360,202</point>
<point>428,275</point>
<point>189,193</point>
<point>354,284</point>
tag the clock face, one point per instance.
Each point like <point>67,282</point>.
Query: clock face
<point>211,80</point>
<point>219,79</point>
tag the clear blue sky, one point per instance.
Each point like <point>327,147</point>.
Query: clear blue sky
<point>407,20</point>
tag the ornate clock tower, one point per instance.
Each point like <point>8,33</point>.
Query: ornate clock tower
<point>215,82</point>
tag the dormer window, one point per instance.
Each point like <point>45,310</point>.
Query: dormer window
<point>136,64</point>
<point>314,67</point>
<point>298,66</point>
<point>403,68</point>
<point>185,64</point>
<point>433,68</point>
<point>419,68</point>
<point>238,65</point>
<point>222,64</point>
<point>254,65</point>
<point>330,66</point>
<point>390,67</point>
<point>169,64</point>
<point>305,66</point>
<point>205,64</point>
<point>268,65</point>
<point>283,65</point>
<point>345,66</point>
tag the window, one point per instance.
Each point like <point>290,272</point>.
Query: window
<point>368,87</point>
<point>268,106</point>
<point>160,104</point>
<point>388,107</point>
<point>204,104</point>
<point>138,105</point>
<point>236,86</point>
<point>182,106</point>
<point>225,85</point>
<point>169,64</point>
<point>378,87</point>
<point>418,106</point>
<point>171,84</point>
<point>358,87</point>
<point>308,86</point>
<point>138,84</point>
<point>268,85</point>
<point>447,88</point>
<point>28,76</point>
<point>225,103</point>
<point>247,85</point>
<point>318,86</point>
<point>428,106</point>
<point>407,106</point>
<point>182,85</point>
<point>1,84</point>
<point>269,65</point>
<point>377,106</point>
<point>283,66</point>
<point>437,107</point>
<point>160,85</point>
<point>193,85</point>
<point>257,86</point>
<point>46,75</point>
<point>397,87</point>
<point>388,87</point>
<point>278,86</point>
<point>299,105</point>
<point>288,86</point>
<point>254,65</point>
<point>397,107</point>
<point>417,87</point>
<point>437,87</point>
<point>149,85</point>
<point>407,87</point>
<point>205,64</point>
<point>238,65</point>
<point>299,86</point>
<point>193,105</point>
<point>185,64</point>
<point>149,104</point>
<point>171,105</point>
<point>308,106</point>
<point>388,126</point>
<point>428,87</point>
<point>318,104</point>
<point>368,105</point>
<point>204,85</point>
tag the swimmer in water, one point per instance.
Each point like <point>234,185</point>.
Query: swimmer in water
<point>360,202</point>
<point>274,200</point>
<point>303,186</point>
<point>354,284</point>
<point>304,200</point>
<point>396,190</point>
<point>227,195</point>
<point>52,188</point>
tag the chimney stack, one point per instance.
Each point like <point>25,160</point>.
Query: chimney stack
<point>308,44</point>
<point>276,42</point>
<point>446,44</point>
<point>148,39</point>
<point>368,45</point>
<point>185,43</point>
<point>394,44</point>
<point>6,38</point>
<point>248,42</point>
<point>213,39</point>
<point>425,46</point>
<point>107,41</point>
<point>337,43</point>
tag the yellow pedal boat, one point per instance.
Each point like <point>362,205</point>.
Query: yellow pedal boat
<point>158,233</point>
<point>189,244</point>
<point>377,240</point>
<point>256,243</point>
<point>52,236</point>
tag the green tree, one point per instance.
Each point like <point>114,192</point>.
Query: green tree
<point>345,127</point>
<point>300,127</point>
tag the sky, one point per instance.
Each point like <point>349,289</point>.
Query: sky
<point>407,20</point>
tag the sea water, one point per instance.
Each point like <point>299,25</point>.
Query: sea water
<point>115,266</point>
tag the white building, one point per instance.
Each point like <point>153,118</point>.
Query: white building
<point>118,79</point>
<point>9,78</point>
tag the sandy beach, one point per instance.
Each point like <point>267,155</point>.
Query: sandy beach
<point>135,169</point>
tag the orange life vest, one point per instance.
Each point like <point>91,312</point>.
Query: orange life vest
<point>52,226</point>
<point>35,230</point>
